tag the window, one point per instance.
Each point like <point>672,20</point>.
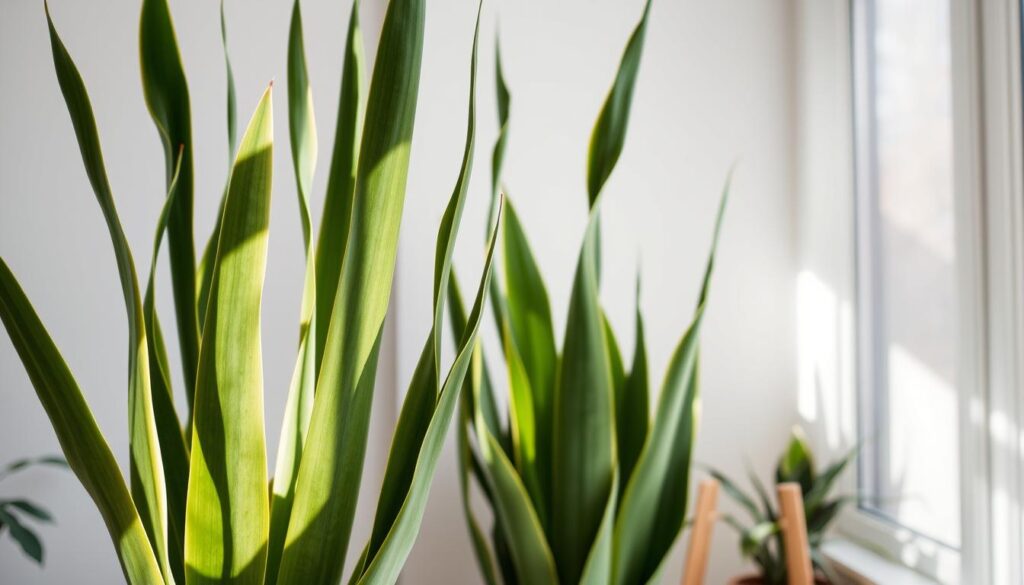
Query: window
<point>906,267</point>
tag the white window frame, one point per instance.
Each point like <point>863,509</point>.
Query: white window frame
<point>989,192</point>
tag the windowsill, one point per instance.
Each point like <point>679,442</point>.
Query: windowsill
<point>864,567</point>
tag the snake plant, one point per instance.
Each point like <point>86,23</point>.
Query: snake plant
<point>583,486</point>
<point>198,507</point>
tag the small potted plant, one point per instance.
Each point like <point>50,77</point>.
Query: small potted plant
<point>761,538</point>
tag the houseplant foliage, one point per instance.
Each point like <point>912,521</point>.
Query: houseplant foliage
<point>583,485</point>
<point>761,536</point>
<point>199,506</point>
<point>15,511</point>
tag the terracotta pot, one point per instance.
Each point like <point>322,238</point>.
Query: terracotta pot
<point>755,579</point>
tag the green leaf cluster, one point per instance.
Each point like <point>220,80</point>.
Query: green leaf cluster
<point>584,485</point>
<point>198,506</point>
<point>761,536</point>
<point>14,512</point>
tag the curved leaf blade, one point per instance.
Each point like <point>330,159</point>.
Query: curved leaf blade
<point>167,98</point>
<point>147,473</point>
<point>341,180</point>
<point>584,456</point>
<point>227,519</point>
<point>331,468</point>
<point>299,406</point>
<point>80,438</point>
<point>654,503</point>
<point>385,563</point>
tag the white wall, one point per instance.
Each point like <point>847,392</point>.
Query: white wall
<point>715,86</point>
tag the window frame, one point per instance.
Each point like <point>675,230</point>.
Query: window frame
<point>989,194</point>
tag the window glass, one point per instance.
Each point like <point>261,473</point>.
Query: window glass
<point>906,269</point>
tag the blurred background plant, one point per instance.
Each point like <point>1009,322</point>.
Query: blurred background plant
<point>761,536</point>
<point>14,511</point>
<point>584,486</point>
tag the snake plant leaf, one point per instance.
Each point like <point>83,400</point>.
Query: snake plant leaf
<point>481,548</point>
<point>147,473</point>
<point>598,568</point>
<point>173,449</point>
<point>584,457</point>
<point>421,408</point>
<point>227,519</point>
<point>26,539</point>
<point>524,535</point>
<point>389,557</point>
<point>654,503</point>
<point>482,392</point>
<point>331,468</point>
<point>524,427</point>
<point>609,133</point>
<point>822,484</point>
<point>204,272</point>
<point>796,463</point>
<point>498,152</point>
<point>738,495</point>
<point>532,331</point>
<point>232,108</point>
<point>632,416</point>
<point>299,406</point>
<point>80,438</point>
<point>762,495</point>
<point>166,93</point>
<point>30,509</point>
<point>341,180</point>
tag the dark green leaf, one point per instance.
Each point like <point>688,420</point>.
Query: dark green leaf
<point>166,92</point>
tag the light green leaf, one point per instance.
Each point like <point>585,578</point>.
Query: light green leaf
<point>173,449</point>
<point>227,519</point>
<point>147,474</point>
<point>654,503</point>
<point>341,180</point>
<point>80,439</point>
<point>299,407</point>
<point>530,325</point>
<point>166,92</point>
<point>204,273</point>
<point>329,474</point>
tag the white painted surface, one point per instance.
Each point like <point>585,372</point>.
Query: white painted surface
<point>716,86</point>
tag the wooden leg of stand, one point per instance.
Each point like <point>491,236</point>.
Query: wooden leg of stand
<point>794,534</point>
<point>700,535</point>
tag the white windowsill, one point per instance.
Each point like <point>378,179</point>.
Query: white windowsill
<point>864,567</point>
